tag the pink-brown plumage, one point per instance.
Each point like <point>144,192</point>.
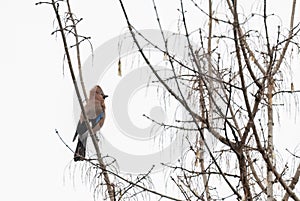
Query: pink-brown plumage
<point>95,111</point>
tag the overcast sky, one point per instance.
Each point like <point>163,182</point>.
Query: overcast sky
<point>37,93</point>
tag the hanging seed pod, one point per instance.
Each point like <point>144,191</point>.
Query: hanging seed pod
<point>119,68</point>
<point>292,87</point>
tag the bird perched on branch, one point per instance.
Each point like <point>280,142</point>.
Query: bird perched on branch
<point>95,111</point>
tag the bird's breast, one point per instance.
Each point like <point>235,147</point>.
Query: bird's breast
<point>93,109</point>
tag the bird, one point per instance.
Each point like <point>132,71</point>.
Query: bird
<point>95,112</point>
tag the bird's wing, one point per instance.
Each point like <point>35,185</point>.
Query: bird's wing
<point>99,117</point>
<point>81,128</point>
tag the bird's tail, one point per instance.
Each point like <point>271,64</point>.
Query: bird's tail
<point>79,154</point>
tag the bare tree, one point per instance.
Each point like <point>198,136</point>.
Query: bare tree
<point>231,84</point>
<point>241,93</point>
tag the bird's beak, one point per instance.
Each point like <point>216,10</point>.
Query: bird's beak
<point>105,96</point>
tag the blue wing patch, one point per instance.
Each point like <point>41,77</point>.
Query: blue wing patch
<point>100,116</point>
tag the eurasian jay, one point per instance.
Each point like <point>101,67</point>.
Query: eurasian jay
<point>95,111</point>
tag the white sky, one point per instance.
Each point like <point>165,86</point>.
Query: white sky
<point>37,98</point>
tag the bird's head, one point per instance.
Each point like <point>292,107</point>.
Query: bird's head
<point>97,93</point>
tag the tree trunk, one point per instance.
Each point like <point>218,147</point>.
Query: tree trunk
<point>270,140</point>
